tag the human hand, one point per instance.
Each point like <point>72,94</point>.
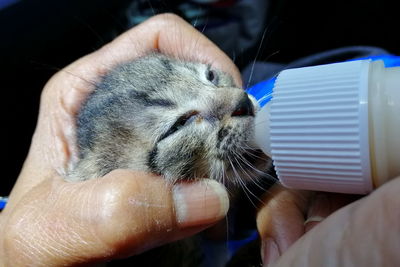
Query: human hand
<point>50,222</point>
<point>363,233</point>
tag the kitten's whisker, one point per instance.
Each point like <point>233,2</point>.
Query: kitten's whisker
<point>247,150</point>
<point>151,7</point>
<point>92,83</point>
<point>260,172</point>
<point>245,190</point>
<point>252,179</point>
<point>241,157</point>
<point>255,59</point>
<point>264,97</point>
<point>258,123</point>
<point>241,167</point>
<point>241,183</point>
<point>205,26</point>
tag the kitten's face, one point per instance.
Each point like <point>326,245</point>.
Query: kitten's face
<point>179,119</point>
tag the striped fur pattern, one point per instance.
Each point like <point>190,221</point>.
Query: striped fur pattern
<point>179,119</point>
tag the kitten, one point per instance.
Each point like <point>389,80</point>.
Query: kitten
<point>182,120</point>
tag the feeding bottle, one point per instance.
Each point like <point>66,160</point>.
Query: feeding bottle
<point>333,127</point>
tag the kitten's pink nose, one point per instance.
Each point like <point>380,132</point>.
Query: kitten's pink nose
<point>244,107</point>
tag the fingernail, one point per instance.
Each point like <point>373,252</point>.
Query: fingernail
<point>202,202</point>
<point>270,252</point>
<point>318,211</point>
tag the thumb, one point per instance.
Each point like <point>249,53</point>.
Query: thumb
<point>122,214</point>
<point>141,211</point>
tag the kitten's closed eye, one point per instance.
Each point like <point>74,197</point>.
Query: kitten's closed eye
<point>182,121</point>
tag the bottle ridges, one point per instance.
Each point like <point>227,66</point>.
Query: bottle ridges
<point>317,121</point>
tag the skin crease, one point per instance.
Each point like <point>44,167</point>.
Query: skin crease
<point>49,222</point>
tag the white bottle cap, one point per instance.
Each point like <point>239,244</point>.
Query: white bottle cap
<point>319,128</point>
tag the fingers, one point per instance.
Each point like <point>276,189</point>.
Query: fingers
<point>363,233</point>
<point>143,211</point>
<point>288,214</point>
<point>281,221</point>
<point>122,214</point>
<point>322,204</point>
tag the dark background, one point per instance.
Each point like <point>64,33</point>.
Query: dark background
<point>39,37</point>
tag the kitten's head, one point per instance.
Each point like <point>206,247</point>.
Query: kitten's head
<point>182,120</point>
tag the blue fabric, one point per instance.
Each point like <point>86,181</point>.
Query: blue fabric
<point>6,3</point>
<point>234,245</point>
<point>3,202</point>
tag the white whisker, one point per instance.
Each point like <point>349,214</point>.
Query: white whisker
<point>252,179</point>
<point>241,183</point>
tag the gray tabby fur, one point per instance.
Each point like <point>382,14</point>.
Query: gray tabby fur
<point>126,123</point>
